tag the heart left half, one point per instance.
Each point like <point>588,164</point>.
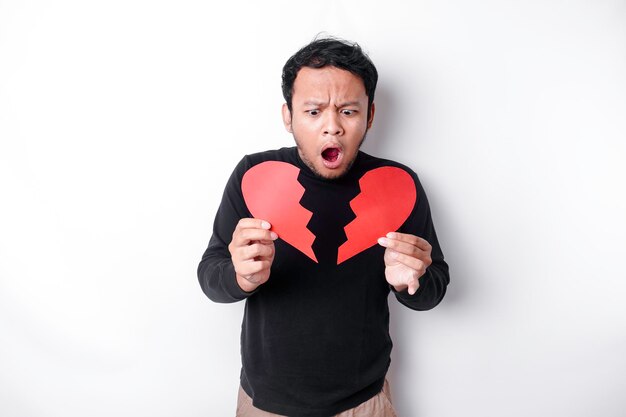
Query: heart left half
<point>272,192</point>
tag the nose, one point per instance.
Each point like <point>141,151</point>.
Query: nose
<point>332,125</point>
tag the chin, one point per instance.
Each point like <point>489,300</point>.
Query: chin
<point>332,162</point>
<point>332,173</point>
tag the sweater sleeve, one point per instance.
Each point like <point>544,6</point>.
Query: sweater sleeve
<point>434,282</point>
<point>216,272</point>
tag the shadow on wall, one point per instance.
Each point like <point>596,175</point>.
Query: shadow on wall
<point>384,134</point>
<point>387,138</point>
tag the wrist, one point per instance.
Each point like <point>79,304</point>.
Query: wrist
<point>400,288</point>
<point>246,285</point>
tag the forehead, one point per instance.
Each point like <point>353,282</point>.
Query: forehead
<point>328,81</point>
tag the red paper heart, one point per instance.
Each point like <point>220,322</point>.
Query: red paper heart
<point>272,192</point>
<point>386,200</point>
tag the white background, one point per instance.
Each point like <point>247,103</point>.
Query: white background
<point>120,122</point>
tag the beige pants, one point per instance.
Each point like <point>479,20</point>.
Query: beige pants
<point>377,406</point>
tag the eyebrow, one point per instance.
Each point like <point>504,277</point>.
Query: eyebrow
<point>319,103</point>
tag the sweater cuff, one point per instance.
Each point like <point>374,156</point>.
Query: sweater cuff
<point>231,286</point>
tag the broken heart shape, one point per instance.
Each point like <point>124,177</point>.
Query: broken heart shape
<point>386,200</point>
<point>272,192</point>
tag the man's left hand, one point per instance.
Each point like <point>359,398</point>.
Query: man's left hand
<point>406,259</point>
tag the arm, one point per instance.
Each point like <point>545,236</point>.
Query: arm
<point>240,251</point>
<point>415,265</point>
<point>216,274</point>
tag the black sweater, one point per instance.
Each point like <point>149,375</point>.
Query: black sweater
<point>315,337</point>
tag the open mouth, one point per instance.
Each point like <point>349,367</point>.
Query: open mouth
<point>331,154</point>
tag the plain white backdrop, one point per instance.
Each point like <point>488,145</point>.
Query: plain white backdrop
<point>120,122</point>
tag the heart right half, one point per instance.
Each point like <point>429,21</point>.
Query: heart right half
<point>386,200</point>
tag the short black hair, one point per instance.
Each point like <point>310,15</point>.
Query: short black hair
<point>332,52</point>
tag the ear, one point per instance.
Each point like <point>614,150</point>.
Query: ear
<point>370,119</point>
<point>287,118</point>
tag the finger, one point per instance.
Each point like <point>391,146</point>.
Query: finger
<point>242,237</point>
<point>409,238</point>
<point>414,284</point>
<point>258,250</point>
<point>249,268</point>
<point>415,264</point>
<point>252,252</point>
<point>250,223</point>
<point>405,248</point>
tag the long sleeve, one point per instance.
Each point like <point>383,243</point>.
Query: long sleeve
<point>434,282</point>
<point>216,272</point>
<point>301,330</point>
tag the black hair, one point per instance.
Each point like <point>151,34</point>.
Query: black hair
<point>336,53</point>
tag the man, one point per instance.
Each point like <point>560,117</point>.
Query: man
<point>314,238</point>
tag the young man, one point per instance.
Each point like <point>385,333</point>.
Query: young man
<point>314,237</point>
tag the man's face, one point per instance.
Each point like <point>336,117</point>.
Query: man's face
<point>328,118</point>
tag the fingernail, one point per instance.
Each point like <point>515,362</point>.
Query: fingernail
<point>382,241</point>
<point>265,225</point>
<point>273,235</point>
<point>391,235</point>
<point>393,254</point>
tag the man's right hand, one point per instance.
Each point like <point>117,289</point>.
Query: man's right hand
<point>252,252</point>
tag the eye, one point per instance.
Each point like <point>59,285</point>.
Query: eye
<point>313,112</point>
<point>348,112</point>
